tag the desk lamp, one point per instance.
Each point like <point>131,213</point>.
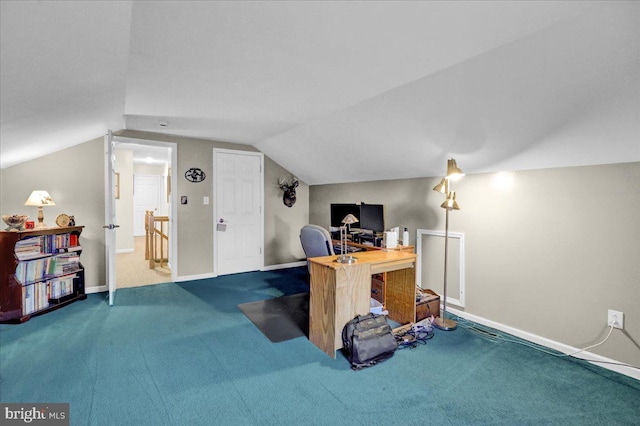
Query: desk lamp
<point>40,199</point>
<point>444,187</point>
<point>344,258</point>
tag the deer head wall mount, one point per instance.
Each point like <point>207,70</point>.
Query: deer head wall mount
<point>289,196</point>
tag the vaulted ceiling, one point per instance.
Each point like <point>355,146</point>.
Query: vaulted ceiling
<point>332,91</point>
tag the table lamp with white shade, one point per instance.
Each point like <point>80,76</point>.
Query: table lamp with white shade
<point>40,199</point>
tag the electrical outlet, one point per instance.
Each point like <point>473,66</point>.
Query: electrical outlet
<point>616,318</point>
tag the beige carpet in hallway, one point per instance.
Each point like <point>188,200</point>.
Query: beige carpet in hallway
<point>132,270</point>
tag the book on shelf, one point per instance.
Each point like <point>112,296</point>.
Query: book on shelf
<point>46,255</point>
<point>35,297</point>
<point>30,255</point>
<point>64,264</point>
<point>31,247</point>
<point>69,249</point>
<point>39,269</point>
<point>61,286</point>
<point>41,295</point>
<point>33,270</point>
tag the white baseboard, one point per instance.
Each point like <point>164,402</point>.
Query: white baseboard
<point>284,266</point>
<point>266,268</point>
<point>96,289</point>
<point>551,344</point>
<point>195,277</point>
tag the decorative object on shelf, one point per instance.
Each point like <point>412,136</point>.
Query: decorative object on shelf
<point>289,196</point>
<point>63,220</point>
<point>29,224</point>
<point>72,221</point>
<point>444,187</point>
<point>195,175</point>
<point>40,199</point>
<point>15,222</point>
<point>345,258</point>
<point>405,237</point>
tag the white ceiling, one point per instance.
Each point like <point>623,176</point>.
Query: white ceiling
<point>332,91</point>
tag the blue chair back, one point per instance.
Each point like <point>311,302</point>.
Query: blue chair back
<point>316,241</point>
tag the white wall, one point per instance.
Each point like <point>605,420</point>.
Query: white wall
<point>74,177</point>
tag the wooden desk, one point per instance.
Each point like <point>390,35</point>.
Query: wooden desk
<point>380,280</point>
<point>339,292</point>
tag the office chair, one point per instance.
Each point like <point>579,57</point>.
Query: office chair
<point>316,241</point>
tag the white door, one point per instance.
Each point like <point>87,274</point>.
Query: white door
<point>238,212</point>
<point>110,214</point>
<point>146,196</point>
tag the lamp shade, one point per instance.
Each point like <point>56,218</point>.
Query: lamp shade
<point>450,203</point>
<point>39,198</point>
<point>453,172</point>
<point>442,187</point>
<point>349,219</point>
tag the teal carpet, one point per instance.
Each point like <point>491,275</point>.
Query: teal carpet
<point>184,354</point>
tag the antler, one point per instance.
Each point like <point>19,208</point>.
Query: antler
<point>282,183</point>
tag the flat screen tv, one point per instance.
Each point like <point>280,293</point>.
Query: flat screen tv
<point>372,217</point>
<point>339,211</point>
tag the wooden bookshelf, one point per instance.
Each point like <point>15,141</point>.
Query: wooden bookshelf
<point>41,271</point>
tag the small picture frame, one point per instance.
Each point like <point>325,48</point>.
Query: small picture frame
<point>30,224</point>
<point>169,185</point>
<point>117,186</point>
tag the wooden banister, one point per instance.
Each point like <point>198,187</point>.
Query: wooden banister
<point>156,236</point>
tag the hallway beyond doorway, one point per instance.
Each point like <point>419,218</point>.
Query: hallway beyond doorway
<point>132,270</point>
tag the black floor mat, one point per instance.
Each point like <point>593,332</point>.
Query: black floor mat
<point>282,318</point>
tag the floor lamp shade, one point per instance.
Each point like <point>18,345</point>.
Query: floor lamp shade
<point>450,203</point>
<point>453,171</point>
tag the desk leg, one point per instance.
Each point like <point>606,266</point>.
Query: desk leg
<point>336,297</point>
<point>322,308</point>
<point>401,295</point>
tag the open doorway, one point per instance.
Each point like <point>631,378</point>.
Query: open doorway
<point>144,248</point>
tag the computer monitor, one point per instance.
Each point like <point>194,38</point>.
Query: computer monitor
<point>372,217</point>
<point>339,211</point>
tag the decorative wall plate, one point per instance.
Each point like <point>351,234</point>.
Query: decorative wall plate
<point>62,220</point>
<point>195,175</point>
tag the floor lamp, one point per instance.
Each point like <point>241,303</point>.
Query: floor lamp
<point>444,187</point>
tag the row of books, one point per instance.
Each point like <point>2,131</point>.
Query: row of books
<point>37,246</point>
<point>39,269</point>
<point>37,296</point>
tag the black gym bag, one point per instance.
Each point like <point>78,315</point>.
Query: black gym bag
<point>368,340</point>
